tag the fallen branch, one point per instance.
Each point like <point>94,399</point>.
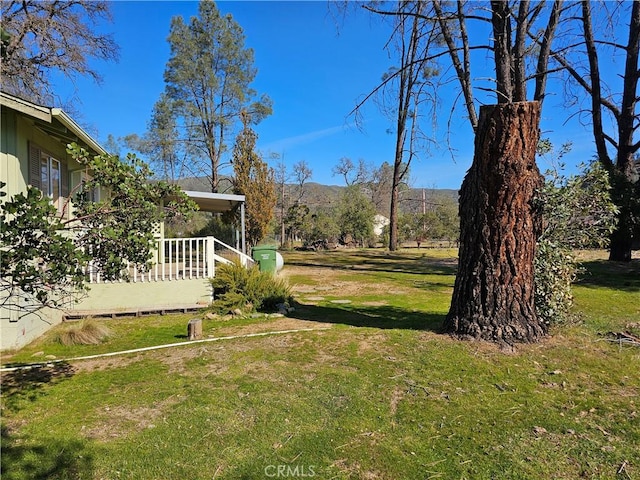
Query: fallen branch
<point>624,338</point>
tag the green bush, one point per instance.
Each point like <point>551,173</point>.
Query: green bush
<point>248,289</point>
<point>578,213</point>
<point>556,268</point>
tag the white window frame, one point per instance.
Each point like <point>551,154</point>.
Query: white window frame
<point>78,178</point>
<point>46,185</point>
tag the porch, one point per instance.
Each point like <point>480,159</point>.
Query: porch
<point>179,259</point>
<point>176,281</point>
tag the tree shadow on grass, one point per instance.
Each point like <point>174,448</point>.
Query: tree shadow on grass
<point>27,384</point>
<point>381,262</point>
<point>615,275</point>
<point>22,457</point>
<point>51,459</point>
<point>383,317</point>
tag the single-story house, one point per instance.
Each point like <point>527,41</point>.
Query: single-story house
<point>379,222</point>
<point>33,152</point>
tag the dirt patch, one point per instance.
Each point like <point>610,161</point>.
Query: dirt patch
<point>280,324</point>
<point>120,420</point>
<point>217,354</point>
<point>333,283</point>
<point>372,343</point>
<point>104,363</point>
<point>355,469</point>
<point>380,303</point>
<point>175,357</point>
<point>396,396</point>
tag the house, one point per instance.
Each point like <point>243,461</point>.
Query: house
<point>33,152</point>
<point>379,222</point>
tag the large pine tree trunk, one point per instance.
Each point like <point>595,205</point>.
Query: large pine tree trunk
<point>624,193</point>
<point>493,297</point>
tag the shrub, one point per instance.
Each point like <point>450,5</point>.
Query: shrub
<point>247,289</point>
<point>578,213</point>
<point>84,332</point>
<point>555,269</point>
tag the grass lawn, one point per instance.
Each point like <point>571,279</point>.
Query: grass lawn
<point>375,391</point>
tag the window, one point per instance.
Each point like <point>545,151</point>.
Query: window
<point>50,178</point>
<point>78,177</point>
<point>49,175</point>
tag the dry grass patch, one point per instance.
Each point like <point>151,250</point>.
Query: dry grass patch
<point>119,421</point>
<point>83,332</point>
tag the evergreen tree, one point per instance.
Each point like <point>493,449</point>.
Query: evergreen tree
<point>254,179</point>
<point>208,80</point>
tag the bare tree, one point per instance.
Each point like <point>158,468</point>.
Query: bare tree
<point>302,173</point>
<point>40,37</point>
<point>616,147</point>
<point>351,173</point>
<point>281,177</point>
<point>403,90</point>
<point>493,296</point>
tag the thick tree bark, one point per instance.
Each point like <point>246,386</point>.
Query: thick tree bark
<point>625,179</point>
<point>620,243</point>
<point>624,193</point>
<point>493,297</point>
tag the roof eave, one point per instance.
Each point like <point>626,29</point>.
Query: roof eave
<point>69,123</point>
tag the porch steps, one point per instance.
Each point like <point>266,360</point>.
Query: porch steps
<point>71,315</point>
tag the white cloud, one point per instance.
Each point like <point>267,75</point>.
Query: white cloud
<point>303,139</point>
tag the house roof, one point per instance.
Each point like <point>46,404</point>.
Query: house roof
<point>52,120</point>
<point>215,202</point>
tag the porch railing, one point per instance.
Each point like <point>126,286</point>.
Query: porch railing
<point>181,259</point>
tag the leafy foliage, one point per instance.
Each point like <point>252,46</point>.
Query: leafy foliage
<point>297,221</point>
<point>37,257</point>
<point>119,228</point>
<point>255,180</point>
<point>46,254</point>
<point>217,227</point>
<point>323,227</point>
<point>355,214</point>
<point>208,78</point>
<point>578,213</point>
<point>160,142</point>
<point>247,289</point>
<point>440,222</point>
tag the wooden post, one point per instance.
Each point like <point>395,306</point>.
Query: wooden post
<point>194,329</point>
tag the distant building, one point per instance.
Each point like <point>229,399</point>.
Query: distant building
<point>379,222</point>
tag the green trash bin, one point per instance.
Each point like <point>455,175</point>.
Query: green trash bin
<point>265,257</point>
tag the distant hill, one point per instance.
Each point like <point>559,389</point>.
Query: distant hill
<point>317,195</point>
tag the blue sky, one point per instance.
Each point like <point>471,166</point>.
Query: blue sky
<point>313,64</point>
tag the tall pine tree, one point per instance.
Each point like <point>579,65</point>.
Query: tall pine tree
<point>208,80</point>
<point>254,179</point>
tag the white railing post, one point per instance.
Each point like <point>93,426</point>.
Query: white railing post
<point>199,264</point>
<point>170,259</point>
<point>178,259</point>
<point>210,257</point>
<point>184,259</point>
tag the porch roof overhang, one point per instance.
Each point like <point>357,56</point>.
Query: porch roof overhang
<point>220,203</point>
<point>215,202</point>
<point>53,121</point>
